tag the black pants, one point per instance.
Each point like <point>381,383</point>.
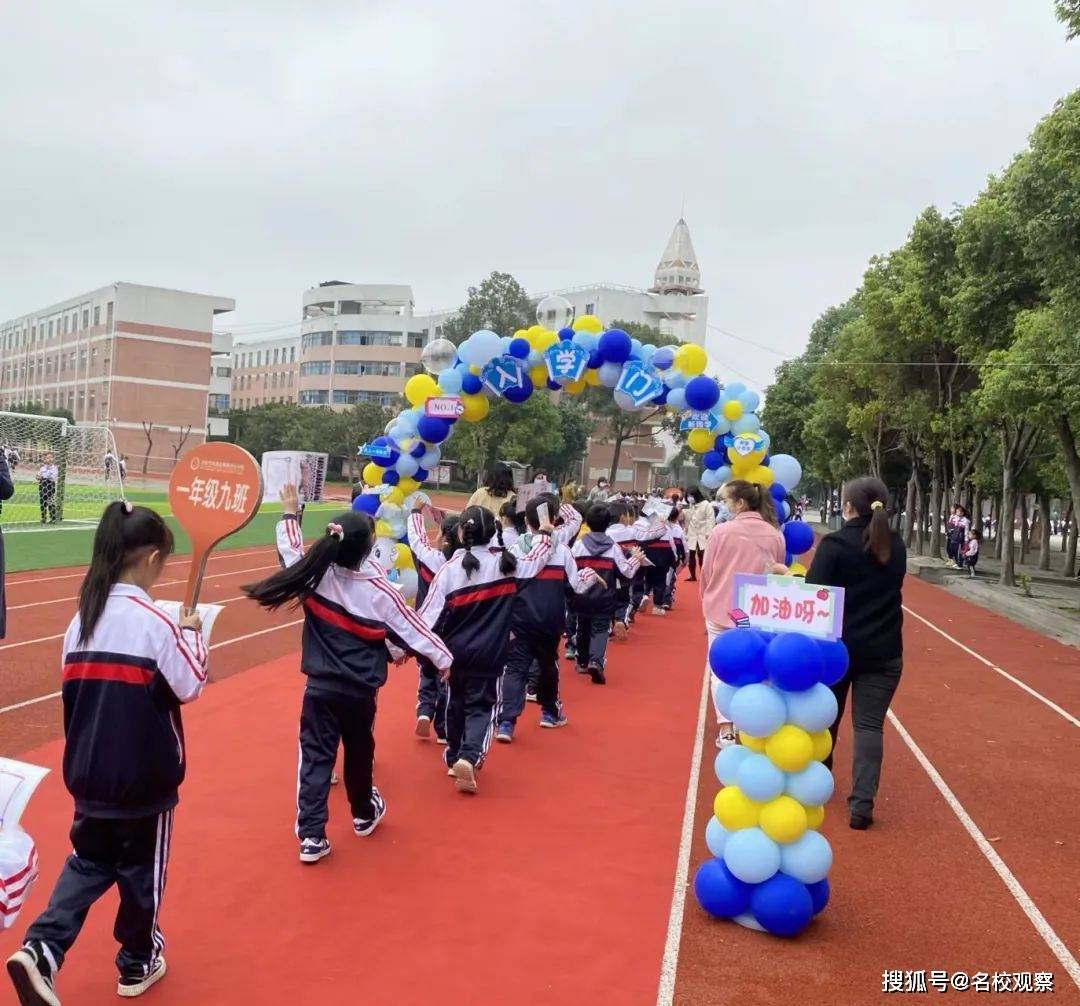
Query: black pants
<point>132,853</point>
<point>872,687</point>
<point>694,556</point>
<point>327,719</point>
<point>471,704</point>
<point>525,652</point>
<point>431,697</point>
<point>637,590</point>
<point>593,632</point>
<point>47,501</point>
<point>658,582</point>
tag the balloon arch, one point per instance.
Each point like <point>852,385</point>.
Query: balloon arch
<point>567,354</point>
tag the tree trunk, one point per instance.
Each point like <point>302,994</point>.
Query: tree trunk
<point>909,509</point>
<point>1070,551</point>
<point>1070,458</point>
<point>1066,523</point>
<point>1023,528</point>
<point>937,491</point>
<point>148,432</point>
<point>616,453</point>
<point>1044,531</point>
<point>1007,577</point>
<point>924,518</point>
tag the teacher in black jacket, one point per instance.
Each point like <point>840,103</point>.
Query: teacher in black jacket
<point>869,561</point>
<point>7,490</point>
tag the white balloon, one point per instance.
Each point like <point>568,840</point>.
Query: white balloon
<point>438,355</point>
<point>554,312</point>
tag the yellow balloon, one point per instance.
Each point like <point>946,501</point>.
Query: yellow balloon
<point>592,377</point>
<point>574,387</point>
<point>783,819</point>
<point>732,410</point>
<point>419,388</point>
<point>822,742</point>
<point>546,340</point>
<point>735,810</point>
<point>790,748</point>
<point>588,323</point>
<point>382,529</point>
<point>743,463</point>
<point>407,486</point>
<point>700,441</point>
<point>372,474</point>
<point>402,556</point>
<point>694,359</point>
<point>753,743</point>
<point>761,475</point>
<point>797,569</point>
<point>396,496</point>
<point>475,370</point>
<point>538,375</point>
<point>476,407</point>
<point>522,333</point>
<point>814,817</point>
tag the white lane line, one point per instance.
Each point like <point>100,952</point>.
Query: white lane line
<point>160,583</point>
<point>215,646</point>
<point>1022,898</point>
<point>670,963</point>
<point>1065,714</point>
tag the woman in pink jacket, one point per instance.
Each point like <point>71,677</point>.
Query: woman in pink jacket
<point>750,542</point>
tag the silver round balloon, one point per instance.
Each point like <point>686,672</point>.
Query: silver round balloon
<point>555,312</point>
<point>438,355</point>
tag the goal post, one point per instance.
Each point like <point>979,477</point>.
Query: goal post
<point>62,472</point>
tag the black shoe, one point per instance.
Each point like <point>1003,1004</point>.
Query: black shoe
<point>530,695</point>
<point>860,822</point>
<point>313,849</point>
<point>135,983</point>
<point>596,672</point>
<point>364,826</point>
<point>32,978</point>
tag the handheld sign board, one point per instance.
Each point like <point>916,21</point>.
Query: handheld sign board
<point>789,604</point>
<point>215,490</point>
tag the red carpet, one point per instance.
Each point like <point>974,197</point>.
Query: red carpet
<point>553,885</point>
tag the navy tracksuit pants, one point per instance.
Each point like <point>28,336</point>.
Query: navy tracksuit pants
<point>525,651</point>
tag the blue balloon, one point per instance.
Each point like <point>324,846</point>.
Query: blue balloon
<point>553,385</point>
<point>722,697</point>
<point>710,479</point>
<point>609,374</point>
<point>702,393</point>
<point>712,460</point>
<point>636,349</point>
<point>761,780</point>
<point>367,503</point>
<point>421,474</point>
<point>432,429</point>
<point>723,473</point>
<point>812,787</point>
<point>727,762</point>
<point>733,390</point>
<point>407,420</point>
<point>792,662</point>
<point>778,493</point>
<point>471,384</point>
<point>663,358</point>
<point>596,361</point>
<point>782,905</point>
<point>395,452</point>
<point>819,895</point>
<point>566,335</point>
<point>614,345</point>
<point>798,537</point>
<point>418,450</point>
<point>719,891</point>
<point>716,836</point>
<point>406,466</point>
<point>758,710</point>
<point>518,395</point>
<point>737,657</point>
<point>751,855</point>
<point>750,400</point>
<point>834,656</point>
<point>746,424</point>
<point>814,709</point>
<point>676,399</point>
<point>390,477</point>
<point>450,381</point>
<point>519,348</point>
<point>808,859</point>
<point>662,398</point>
<point>586,340</point>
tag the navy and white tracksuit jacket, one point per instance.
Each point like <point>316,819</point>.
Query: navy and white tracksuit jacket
<point>351,619</point>
<point>540,605</point>
<point>597,551</point>
<point>122,691</point>
<point>429,560</point>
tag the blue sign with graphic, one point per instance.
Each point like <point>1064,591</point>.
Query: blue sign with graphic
<point>503,373</point>
<point>383,451</point>
<point>639,382</point>
<point>699,421</point>
<point>566,361</point>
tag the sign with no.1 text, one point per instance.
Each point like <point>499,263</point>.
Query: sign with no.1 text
<point>447,407</point>
<point>214,491</point>
<point>790,604</point>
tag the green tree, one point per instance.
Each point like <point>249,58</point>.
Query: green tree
<point>357,425</point>
<point>499,303</point>
<point>1068,13</point>
<point>38,409</point>
<point>524,433</point>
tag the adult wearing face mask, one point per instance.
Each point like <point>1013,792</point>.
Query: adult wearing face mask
<point>600,492</point>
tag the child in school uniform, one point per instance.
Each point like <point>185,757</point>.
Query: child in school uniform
<point>430,557</point>
<point>512,523</point>
<point>969,555</point>
<point>352,617</point>
<point>661,553</point>
<point>675,534</point>
<point>596,609</point>
<point>470,605</point>
<point>538,621</point>
<point>127,669</point>
<point>629,530</point>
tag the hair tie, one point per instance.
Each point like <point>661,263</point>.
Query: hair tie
<point>336,531</point>
<point>877,505</point>
<point>127,506</point>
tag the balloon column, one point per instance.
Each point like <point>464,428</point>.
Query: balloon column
<point>770,865</point>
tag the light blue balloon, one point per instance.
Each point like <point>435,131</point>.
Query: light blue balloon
<point>786,470</point>
<point>406,466</point>
<point>609,374</point>
<point>431,458</point>
<point>812,787</point>
<point>723,426</point>
<point>728,761</point>
<point>711,479</point>
<point>716,836</point>
<point>751,855</point>
<point>397,433</point>
<point>481,347</point>
<point>724,474</point>
<point>808,859</point>
<point>813,709</point>
<point>750,401</point>
<point>722,693</point>
<point>767,441</point>
<point>450,381</point>
<point>504,344</point>
<point>734,390</point>
<point>758,710</point>
<point>746,424</point>
<point>635,348</point>
<point>759,778</point>
<point>676,399</point>
<point>786,508</point>
<point>586,340</point>
<point>624,401</point>
<point>647,352</point>
<point>747,921</point>
<point>408,420</point>
<point>675,379</point>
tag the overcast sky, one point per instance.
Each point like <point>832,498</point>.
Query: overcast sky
<point>254,154</point>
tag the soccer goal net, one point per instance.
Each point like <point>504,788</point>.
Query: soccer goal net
<point>62,473</point>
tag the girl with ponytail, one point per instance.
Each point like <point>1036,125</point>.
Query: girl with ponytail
<point>353,616</point>
<point>469,605</point>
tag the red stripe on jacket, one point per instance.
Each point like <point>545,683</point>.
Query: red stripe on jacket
<point>325,614</point>
<point>127,674</point>
<point>481,594</point>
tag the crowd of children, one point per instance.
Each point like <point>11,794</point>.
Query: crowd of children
<point>497,594</point>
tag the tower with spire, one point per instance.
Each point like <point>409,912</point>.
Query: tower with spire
<point>678,271</point>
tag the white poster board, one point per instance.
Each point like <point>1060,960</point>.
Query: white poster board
<point>304,469</point>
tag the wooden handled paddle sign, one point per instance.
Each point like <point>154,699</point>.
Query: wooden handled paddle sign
<point>215,490</point>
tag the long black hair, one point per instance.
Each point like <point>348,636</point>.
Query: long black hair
<point>125,531</point>
<point>449,535</point>
<point>347,543</point>
<point>509,511</point>
<point>500,481</point>
<point>478,526</point>
<point>870,498</point>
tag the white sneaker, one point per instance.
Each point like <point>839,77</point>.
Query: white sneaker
<point>464,773</point>
<point>314,849</point>
<point>32,979</point>
<point>128,988</point>
<point>423,727</point>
